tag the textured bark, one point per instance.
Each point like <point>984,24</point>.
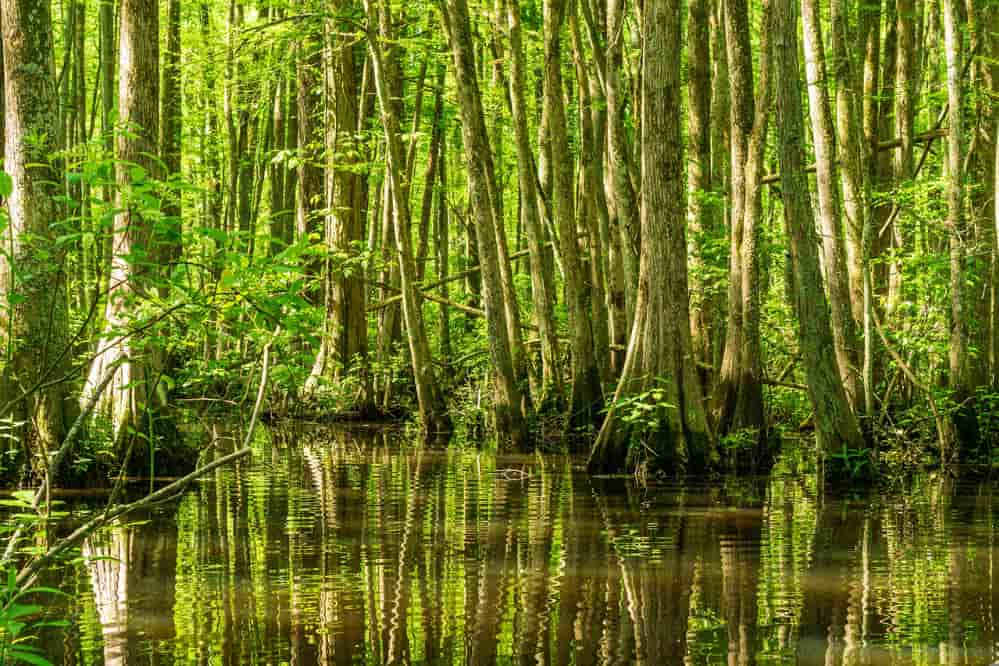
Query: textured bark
<point>980,175</point>
<point>541,297</point>
<point>507,397</point>
<point>433,411</point>
<point>441,233</point>
<point>959,378</point>
<point>855,184</point>
<point>845,340</point>
<point>739,392</point>
<point>102,249</point>
<point>170,139</point>
<point>660,354</point>
<point>586,399</point>
<point>308,219</point>
<point>836,425</point>
<point>624,222</point>
<point>430,177</point>
<point>134,243</point>
<point>281,228</point>
<point>700,218</point>
<point>593,214</point>
<point>345,337</point>
<point>32,275</point>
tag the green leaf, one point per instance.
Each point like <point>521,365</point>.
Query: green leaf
<point>21,654</point>
<point>6,184</point>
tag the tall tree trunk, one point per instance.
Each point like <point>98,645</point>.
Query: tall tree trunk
<point>836,425</point>
<point>660,354</point>
<point>586,399</point>
<point>344,344</point>
<point>134,242</point>
<point>308,219</point>
<point>700,218</point>
<point>507,397</point>
<point>430,175</point>
<point>280,226</point>
<point>622,199</point>
<point>433,412</point>
<point>106,28</point>
<point>170,138</point>
<point>32,276</point>
<point>592,212</point>
<point>541,297</point>
<point>442,234</point>
<point>845,340</point>
<point>855,183</point>
<point>959,377</point>
<point>739,393</point>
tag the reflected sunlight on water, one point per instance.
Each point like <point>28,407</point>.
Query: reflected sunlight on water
<point>338,547</point>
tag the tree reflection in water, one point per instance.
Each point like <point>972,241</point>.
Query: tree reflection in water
<point>359,547</point>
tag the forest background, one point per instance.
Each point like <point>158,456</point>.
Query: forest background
<point>677,232</point>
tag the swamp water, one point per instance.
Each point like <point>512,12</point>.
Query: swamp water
<point>346,547</point>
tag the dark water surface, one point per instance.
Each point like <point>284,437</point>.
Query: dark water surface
<point>330,547</point>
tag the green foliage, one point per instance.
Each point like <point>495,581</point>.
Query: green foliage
<point>20,619</point>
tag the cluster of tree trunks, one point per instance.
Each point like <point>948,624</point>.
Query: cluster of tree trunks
<point>618,206</point>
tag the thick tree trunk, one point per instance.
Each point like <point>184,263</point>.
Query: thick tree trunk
<point>836,426</point>
<point>345,338</point>
<point>134,389</point>
<point>507,397</point>
<point>541,297</point>
<point>739,392</point>
<point>845,339</point>
<point>660,354</point>
<point>32,275</point>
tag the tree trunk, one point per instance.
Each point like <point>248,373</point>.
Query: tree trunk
<point>32,275</point>
<point>443,246</point>
<point>855,184</point>
<point>308,219</point>
<point>541,297</point>
<point>660,354</point>
<point>433,411</point>
<point>592,204</point>
<point>586,399</point>
<point>280,226</point>
<point>624,221</point>
<point>507,398</point>
<point>739,393</point>
<point>845,341</point>
<point>134,244</point>
<point>959,377</point>
<point>344,344</point>
<point>836,426</point>
<point>170,140</point>
<point>700,212</point>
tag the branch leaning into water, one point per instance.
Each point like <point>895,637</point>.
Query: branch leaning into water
<point>30,570</point>
<point>56,461</point>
